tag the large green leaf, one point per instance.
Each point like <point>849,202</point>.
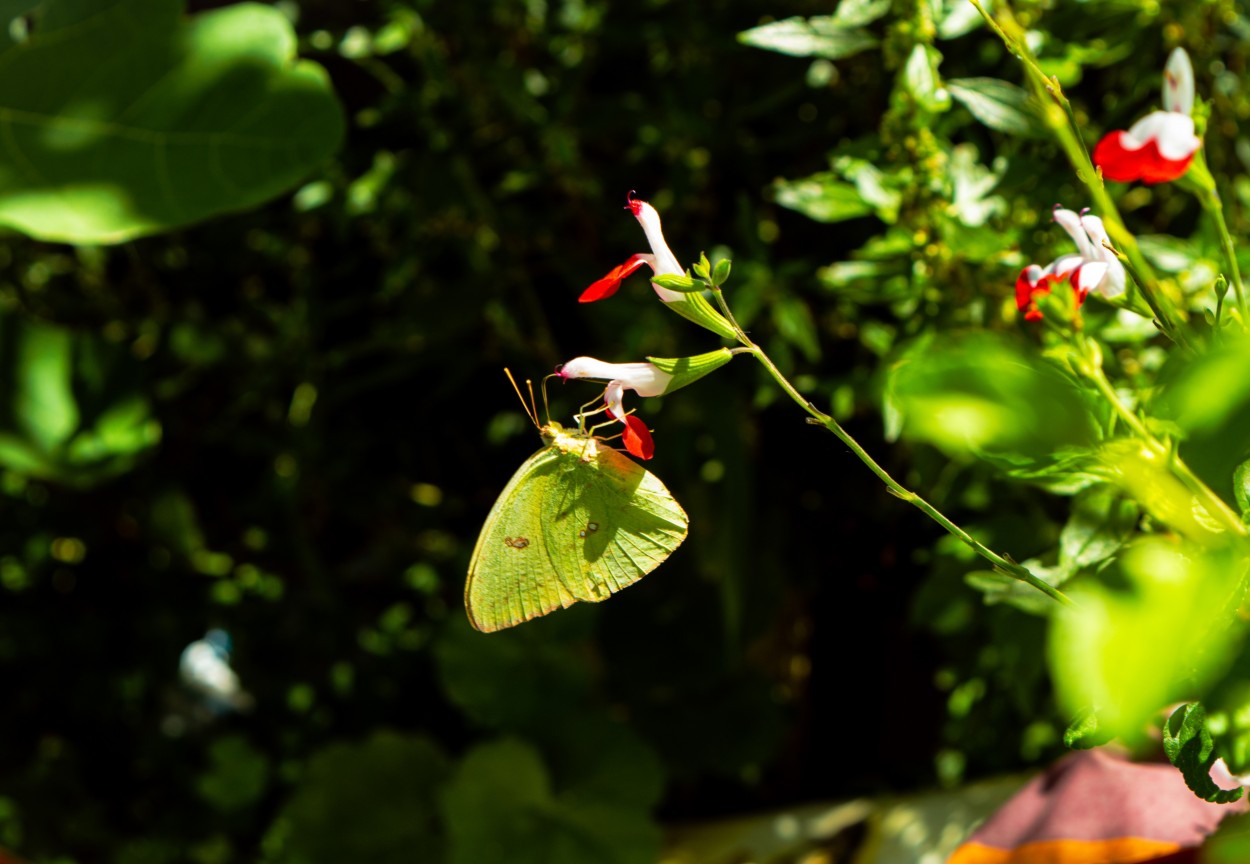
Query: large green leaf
<point>73,407</point>
<point>145,120</point>
<point>1161,633</point>
<point>502,805</point>
<point>369,801</point>
<point>1208,400</point>
<point>991,398</point>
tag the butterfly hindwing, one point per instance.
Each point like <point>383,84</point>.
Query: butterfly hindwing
<point>609,525</point>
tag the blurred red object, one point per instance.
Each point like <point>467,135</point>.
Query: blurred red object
<point>1096,807</point>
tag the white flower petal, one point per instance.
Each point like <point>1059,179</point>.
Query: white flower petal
<point>1113,283</point>
<point>643,378</point>
<point>1089,276</point>
<point>1178,83</point>
<point>1173,134</point>
<point>1069,221</point>
<point>612,396</point>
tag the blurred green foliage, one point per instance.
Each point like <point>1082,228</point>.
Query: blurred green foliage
<point>290,422</point>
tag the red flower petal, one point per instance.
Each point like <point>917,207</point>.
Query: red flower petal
<point>1124,165</point>
<point>1033,282</point>
<point>608,285</point>
<point>1026,282</point>
<point>637,437</point>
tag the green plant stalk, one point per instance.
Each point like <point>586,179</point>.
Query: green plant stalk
<point>1091,369</point>
<point>1202,184</point>
<point>818,417</point>
<point>1062,123</point>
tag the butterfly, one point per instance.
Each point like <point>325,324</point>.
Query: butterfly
<point>578,521</point>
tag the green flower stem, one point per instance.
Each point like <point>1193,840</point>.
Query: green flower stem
<point>1091,369</point>
<point>1059,117</point>
<point>818,417</point>
<point>1202,184</point>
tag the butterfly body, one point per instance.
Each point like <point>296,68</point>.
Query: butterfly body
<point>578,521</point>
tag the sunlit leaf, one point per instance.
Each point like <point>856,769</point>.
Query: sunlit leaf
<point>921,79</point>
<point>857,13</point>
<point>1188,745</point>
<point>1208,398</point>
<point>1130,649</point>
<point>144,120</point>
<point>75,410</point>
<point>988,397</point>
<point>818,36</point>
<point>822,197</point>
<point>1000,105</point>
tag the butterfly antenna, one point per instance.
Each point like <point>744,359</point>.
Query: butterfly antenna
<point>529,412</point>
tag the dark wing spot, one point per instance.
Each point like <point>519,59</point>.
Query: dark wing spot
<point>516,542</point>
<point>592,527</point>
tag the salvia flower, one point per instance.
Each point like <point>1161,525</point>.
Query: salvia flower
<point>1094,268</point>
<point>662,261</point>
<point>1160,146</point>
<point>657,376</point>
<point>645,379</point>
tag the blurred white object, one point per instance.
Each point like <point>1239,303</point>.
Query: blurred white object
<point>205,669</point>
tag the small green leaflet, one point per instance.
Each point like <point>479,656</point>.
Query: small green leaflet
<point>578,521</point>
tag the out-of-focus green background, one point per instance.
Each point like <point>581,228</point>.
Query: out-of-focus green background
<point>289,423</point>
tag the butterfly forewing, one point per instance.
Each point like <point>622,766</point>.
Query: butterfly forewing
<point>578,521</point>
<point>506,583</point>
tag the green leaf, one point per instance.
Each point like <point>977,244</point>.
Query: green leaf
<point>989,397</point>
<point>328,820</point>
<point>703,267</point>
<point>818,36</point>
<point>1158,630</point>
<point>515,678</point>
<point>501,806</point>
<point>874,186</point>
<point>1208,398</point>
<point>145,120</point>
<point>822,197</point>
<point>1000,105</point>
<point>720,274</point>
<point>857,13</point>
<point>1189,747</point>
<point>687,370</point>
<point>1145,474</point>
<point>1083,732</point>
<point>75,411</point>
<point>797,326</point>
<point>971,185</point>
<point>237,777</point>
<point>695,308</point>
<point>1241,487</point>
<point>1230,844</point>
<point>1101,521</point>
<point>959,18</point>
<point>675,282</point>
<point>921,80</point>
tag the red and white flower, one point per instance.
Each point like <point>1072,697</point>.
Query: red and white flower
<point>1160,146</point>
<point>662,261</point>
<point>1094,268</point>
<point>645,379</point>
